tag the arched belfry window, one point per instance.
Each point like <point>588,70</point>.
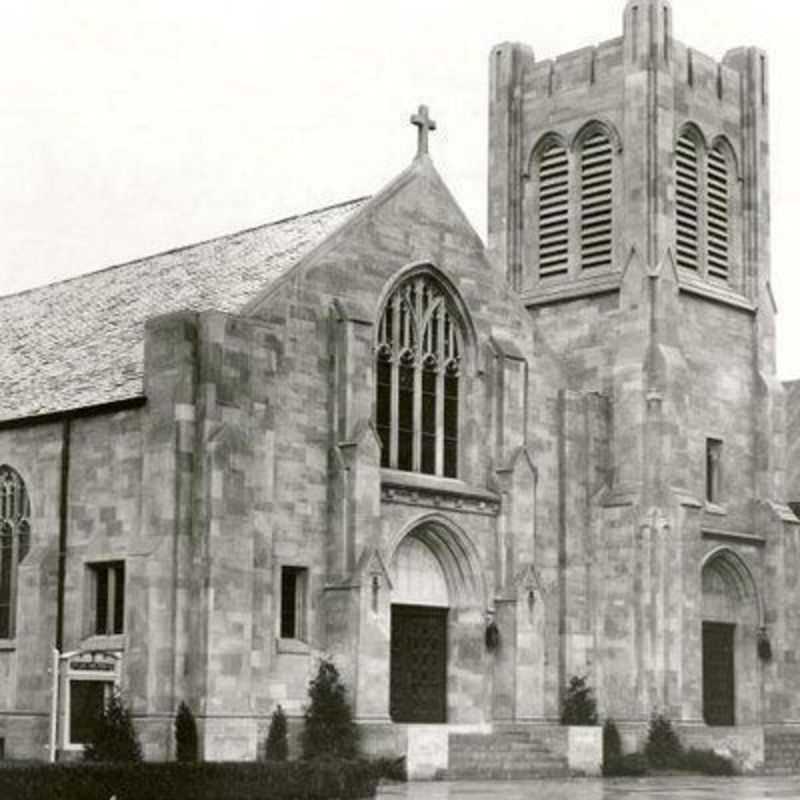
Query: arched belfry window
<point>15,539</point>
<point>596,201</point>
<point>417,379</point>
<point>705,203</point>
<point>687,201</point>
<point>717,213</point>
<point>553,210</point>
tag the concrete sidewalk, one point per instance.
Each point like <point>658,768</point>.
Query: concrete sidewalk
<point>689,788</point>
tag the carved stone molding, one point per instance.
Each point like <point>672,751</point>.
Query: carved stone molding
<point>466,500</point>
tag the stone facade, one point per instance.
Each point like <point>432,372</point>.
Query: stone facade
<point>580,526</point>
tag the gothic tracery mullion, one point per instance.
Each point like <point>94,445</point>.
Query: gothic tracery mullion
<point>419,314</point>
<point>441,366</point>
<point>396,346</point>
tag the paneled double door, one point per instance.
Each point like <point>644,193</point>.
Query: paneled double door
<point>418,688</point>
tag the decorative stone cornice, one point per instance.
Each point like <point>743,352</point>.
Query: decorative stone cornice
<point>443,494</point>
<point>733,536</point>
<point>603,284</point>
<point>714,293</point>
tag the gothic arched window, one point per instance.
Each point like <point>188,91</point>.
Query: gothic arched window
<point>705,205</point>
<point>15,540</point>
<point>417,373</point>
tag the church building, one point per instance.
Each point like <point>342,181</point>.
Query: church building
<point>466,472</point>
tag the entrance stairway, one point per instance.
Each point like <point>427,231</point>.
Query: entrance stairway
<point>781,752</point>
<point>507,753</point>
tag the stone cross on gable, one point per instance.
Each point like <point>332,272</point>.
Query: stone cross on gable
<point>424,124</point>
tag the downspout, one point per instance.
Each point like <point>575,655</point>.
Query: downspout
<point>63,510</point>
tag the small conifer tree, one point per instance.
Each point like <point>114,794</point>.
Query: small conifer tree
<point>612,743</point>
<point>329,727</point>
<point>663,748</point>
<point>113,737</point>
<point>185,734</point>
<point>579,706</point>
<point>277,741</point>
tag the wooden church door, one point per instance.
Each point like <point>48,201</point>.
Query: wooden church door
<point>418,679</point>
<point>718,673</point>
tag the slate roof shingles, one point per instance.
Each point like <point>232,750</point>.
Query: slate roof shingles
<point>80,342</point>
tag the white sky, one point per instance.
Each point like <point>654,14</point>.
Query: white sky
<point>129,127</point>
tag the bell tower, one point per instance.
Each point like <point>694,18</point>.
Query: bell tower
<point>629,208</point>
<point>639,143</point>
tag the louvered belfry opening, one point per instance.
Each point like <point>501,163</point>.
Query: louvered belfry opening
<point>553,211</point>
<point>717,213</point>
<point>687,201</point>
<point>596,202</point>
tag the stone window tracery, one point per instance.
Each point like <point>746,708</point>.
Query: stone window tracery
<point>15,539</point>
<point>418,358</point>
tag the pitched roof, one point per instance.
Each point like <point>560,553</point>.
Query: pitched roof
<point>80,342</point>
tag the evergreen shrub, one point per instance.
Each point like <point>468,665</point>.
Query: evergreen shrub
<point>113,737</point>
<point>707,762</point>
<point>579,706</point>
<point>663,747</point>
<point>185,734</point>
<point>277,739</point>
<point>329,728</point>
<point>612,743</point>
<point>630,765</point>
<point>391,768</point>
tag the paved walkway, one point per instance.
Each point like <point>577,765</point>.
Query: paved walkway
<point>619,789</point>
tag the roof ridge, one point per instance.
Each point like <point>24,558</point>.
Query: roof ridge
<point>179,248</point>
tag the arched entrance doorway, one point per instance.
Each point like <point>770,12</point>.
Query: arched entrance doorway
<point>730,623</point>
<point>436,587</point>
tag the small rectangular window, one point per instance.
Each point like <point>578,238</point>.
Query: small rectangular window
<point>109,598</point>
<point>713,469</point>
<point>294,581</point>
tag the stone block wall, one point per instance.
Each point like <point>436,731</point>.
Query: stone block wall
<point>793,444</point>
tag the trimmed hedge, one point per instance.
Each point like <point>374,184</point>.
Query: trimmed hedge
<point>630,765</point>
<point>290,780</point>
<point>703,762</point>
<point>707,762</point>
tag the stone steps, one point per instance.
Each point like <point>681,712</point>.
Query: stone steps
<point>781,753</point>
<point>506,754</point>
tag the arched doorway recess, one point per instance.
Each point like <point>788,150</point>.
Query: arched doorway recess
<point>436,582</point>
<point>731,615</point>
